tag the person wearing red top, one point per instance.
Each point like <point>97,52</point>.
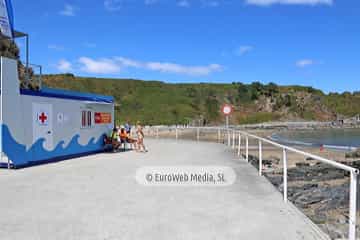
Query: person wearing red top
<point>125,138</point>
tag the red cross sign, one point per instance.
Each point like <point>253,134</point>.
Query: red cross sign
<point>42,118</point>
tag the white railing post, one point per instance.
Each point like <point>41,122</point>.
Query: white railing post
<point>176,133</point>
<point>260,157</point>
<point>239,146</point>
<point>157,132</point>
<point>219,135</point>
<point>198,134</point>
<point>352,214</point>
<point>233,137</point>
<point>229,140</point>
<point>285,174</point>
<point>247,148</point>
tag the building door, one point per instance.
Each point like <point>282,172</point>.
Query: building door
<point>43,124</point>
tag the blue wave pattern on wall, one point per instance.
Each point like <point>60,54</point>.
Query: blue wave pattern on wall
<point>19,156</point>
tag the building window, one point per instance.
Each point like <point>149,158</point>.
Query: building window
<point>89,119</point>
<point>86,119</point>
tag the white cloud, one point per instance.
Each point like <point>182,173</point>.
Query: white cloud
<point>127,62</point>
<point>100,66</point>
<point>68,10</point>
<point>113,5</point>
<point>180,69</point>
<point>167,67</point>
<point>242,50</point>
<point>64,66</point>
<point>183,3</point>
<point>289,2</point>
<point>304,63</point>
<point>116,64</point>
<point>56,47</point>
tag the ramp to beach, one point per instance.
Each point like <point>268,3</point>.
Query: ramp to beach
<point>98,198</point>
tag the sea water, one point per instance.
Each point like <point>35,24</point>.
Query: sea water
<point>346,139</point>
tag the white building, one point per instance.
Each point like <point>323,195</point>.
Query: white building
<point>49,124</point>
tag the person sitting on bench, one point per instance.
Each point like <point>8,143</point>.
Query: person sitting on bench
<point>125,138</point>
<point>115,139</point>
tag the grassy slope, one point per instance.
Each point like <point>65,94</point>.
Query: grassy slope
<point>159,103</point>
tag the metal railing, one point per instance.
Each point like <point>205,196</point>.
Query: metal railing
<point>235,138</point>
<point>37,74</point>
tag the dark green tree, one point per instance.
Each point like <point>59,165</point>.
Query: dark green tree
<point>212,108</point>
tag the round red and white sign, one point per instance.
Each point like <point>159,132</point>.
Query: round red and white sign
<point>227,109</point>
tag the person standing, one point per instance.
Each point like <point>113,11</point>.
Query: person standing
<point>128,128</point>
<point>140,136</point>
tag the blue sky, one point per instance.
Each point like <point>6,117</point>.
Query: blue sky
<point>306,42</point>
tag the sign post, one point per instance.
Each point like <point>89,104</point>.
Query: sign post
<point>227,111</point>
<point>6,19</point>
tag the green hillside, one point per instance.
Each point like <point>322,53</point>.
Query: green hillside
<point>154,102</point>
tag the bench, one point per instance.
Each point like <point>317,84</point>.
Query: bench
<point>110,145</point>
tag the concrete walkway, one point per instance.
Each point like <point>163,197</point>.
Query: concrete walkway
<point>97,198</point>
